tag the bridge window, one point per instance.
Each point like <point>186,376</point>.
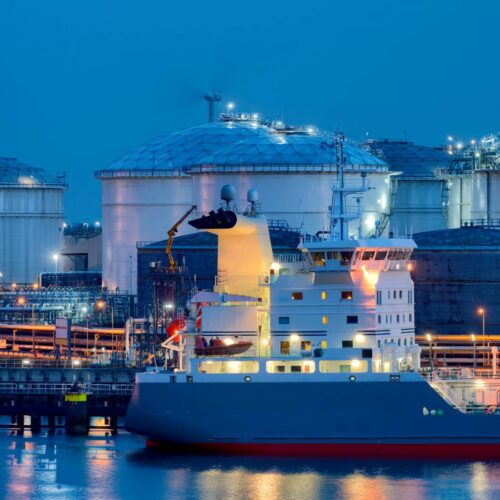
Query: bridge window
<point>368,255</point>
<point>379,319</point>
<point>219,367</point>
<point>347,344</point>
<point>318,258</point>
<point>297,295</point>
<point>284,320</point>
<point>352,320</point>
<point>345,258</point>
<point>346,295</point>
<point>381,255</point>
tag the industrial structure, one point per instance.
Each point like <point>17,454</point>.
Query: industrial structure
<point>31,220</point>
<point>419,193</point>
<point>152,186</point>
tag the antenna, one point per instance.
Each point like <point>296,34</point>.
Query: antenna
<point>212,98</point>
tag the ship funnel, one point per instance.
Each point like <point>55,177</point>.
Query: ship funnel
<point>227,193</point>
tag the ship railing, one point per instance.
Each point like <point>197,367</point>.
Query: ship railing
<point>64,388</point>
<point>443,387</point>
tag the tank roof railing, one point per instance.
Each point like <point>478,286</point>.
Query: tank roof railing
<point>286,167</point>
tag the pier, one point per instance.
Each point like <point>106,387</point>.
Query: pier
<point>62,394</point>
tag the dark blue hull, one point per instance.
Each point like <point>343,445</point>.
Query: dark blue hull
<point>334,418</point>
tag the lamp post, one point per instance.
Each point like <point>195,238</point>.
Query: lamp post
<point>431,358</point>
<point>473,338</point>
<point>482,312</point>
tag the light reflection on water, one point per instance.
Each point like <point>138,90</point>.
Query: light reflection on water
<point>101,466</point>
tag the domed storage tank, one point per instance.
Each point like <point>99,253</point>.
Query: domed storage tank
<point>146,191</point>
<point>294,173</point>
<point>31,219</point>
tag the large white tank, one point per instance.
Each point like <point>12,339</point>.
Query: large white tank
<point>420,195</point>
<point>31,219</point>
<point>149,189</point>
<point>294,174</point>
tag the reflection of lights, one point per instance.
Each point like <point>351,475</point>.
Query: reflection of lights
<point>370,222</point>
<point>370,276</point>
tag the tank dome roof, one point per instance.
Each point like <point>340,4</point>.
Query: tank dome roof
<point>289,149</point>
<point>15,173</point>
<point>169,154</point>
<point>411,159</point>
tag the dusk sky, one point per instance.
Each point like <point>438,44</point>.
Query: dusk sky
<point>82,82</point>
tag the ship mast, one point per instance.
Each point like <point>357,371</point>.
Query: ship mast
<point>339,217</point>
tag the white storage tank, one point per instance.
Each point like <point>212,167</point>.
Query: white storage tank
<point>293,173</point>
<point>31,219</point>
<point>146,191</point>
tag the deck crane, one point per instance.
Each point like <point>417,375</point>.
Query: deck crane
<point>171,233</point>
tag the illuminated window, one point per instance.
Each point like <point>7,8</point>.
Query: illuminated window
<point>285,347</point>
<point>318,258</point>
<point>345,258</point>
<point>297,295</point>
<point>368,255</point>
<point>305,345</point>
<point>344,366</point>
<point>324,320</point>
<point>346,295</point>
<point>283,320</point>
<point>324,344</point>
<point>352,320</point>
<point>219,367</point>
<point>323,295</point>
<point>306,366</point>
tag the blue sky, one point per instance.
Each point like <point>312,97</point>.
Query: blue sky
<point>84,81</point>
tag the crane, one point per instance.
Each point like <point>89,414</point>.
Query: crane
<point>171,233</point>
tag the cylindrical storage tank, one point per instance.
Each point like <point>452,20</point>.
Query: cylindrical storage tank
<point>31,219</point>
<point>293,175</point>
<point>420,195</point>
<point>149,189</point>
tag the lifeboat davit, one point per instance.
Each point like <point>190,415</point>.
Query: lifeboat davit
<point>219,348</point>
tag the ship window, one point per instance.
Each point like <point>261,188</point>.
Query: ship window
<point>346,295</point>
<point>400,294</point>
<point>332,255</point>
<point>324,295</point>
<point>388,294</point>
<point>220,367</point>
<point>358,255</point>
<point>410,317</point>
<point>343,366</point>
<point>381,255</point>
<point>394,294</point>
<point>345,258</point>
<point>318,258</point>
<point>368,255</point>
<point>399,342</point>
<point>284,320</point>
<point>379,297</point>
<point>397,318</point>
<point>352,320</point>
<point>347,344</point>
<point>378,343</point>
<point>324,320</point>
<point>297,295</point>
<point>285,347</point>
<point>379,319</point>
<point>405,342</point>
<point>305,345</point>
<point>306,366</point>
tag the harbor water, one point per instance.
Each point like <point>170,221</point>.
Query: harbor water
<point>108,466</point>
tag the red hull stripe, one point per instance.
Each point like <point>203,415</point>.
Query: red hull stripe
<point>380,450</point>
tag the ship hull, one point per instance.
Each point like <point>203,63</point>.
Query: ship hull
<point>336,418</point>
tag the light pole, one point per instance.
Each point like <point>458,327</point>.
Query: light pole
<point>429,339</point>
<point>473,338</point>
<point>482,312</point>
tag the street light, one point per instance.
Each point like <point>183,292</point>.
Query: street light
<point>482,312</point>
<point>473,338</point>
<point>55,257</point>
<point>429,339</point>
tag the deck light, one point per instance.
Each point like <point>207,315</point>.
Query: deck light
<point>21,301</point>
<point>429,337</point>
<point>294,337</point>
<point>360,338</point>
<point>228,341</point>
<point>355,363</point>
<point>26,362</point>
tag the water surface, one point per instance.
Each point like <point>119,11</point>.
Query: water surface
<point>108,467</point>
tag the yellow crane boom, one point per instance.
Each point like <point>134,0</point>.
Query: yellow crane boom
<point>171,233</point>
